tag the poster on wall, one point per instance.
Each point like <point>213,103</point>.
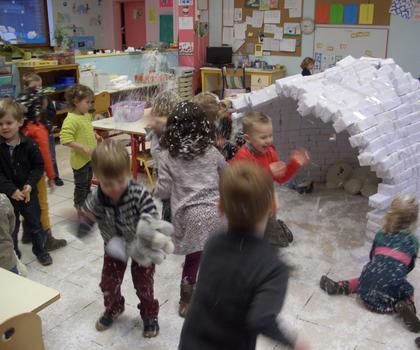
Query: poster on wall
<point>186,48</point>
<point>152,15</point>
<point>186,23</point>
<point>166,3</point>
<point>84,42</point>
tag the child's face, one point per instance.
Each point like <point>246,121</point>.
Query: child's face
<point>114,187</point>
<point>261,136</point>
<point>83,106</point>
<point>157,123</point>
<point>35,84</point>
<point>9,127</point>
<point>310,66</point>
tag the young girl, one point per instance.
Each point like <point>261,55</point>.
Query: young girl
<point>77,133</point>
<point>383,286</point>
<point>307,65</point>
<point>33,127</point>
<point>188,175</point>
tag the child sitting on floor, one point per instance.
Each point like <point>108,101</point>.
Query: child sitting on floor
<point>383,285</point>
<point>258,133</point>
<point>120,206</point>
<point>242,283</point>
<point>188,174</point>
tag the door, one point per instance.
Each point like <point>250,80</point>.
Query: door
<point>135,23</point>
<point>166,28</point>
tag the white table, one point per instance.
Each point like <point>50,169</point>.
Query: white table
<point>19,295</point>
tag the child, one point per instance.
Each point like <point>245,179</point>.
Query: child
<point>21,168</point>
<point>33,81</point>
<point>8,259</point>
<point>209,103</point>
<point>163,104</point>
<point>307,65</point>
<point>383,285</point>
<point>188,175</point>
<point>242,283</point>
<point>117,205</point>
<point>32,100</point>
<point>77,133</point>
<point>223,129</point>
<point>258,133</point>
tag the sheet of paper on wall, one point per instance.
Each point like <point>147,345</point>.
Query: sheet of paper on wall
<point>228,10</point>
<point>270,28</point>
<point>227,36</point>
<point>202,4</point>
<point>292,4</point>
<point>257,18</point>
<point>278,33</point>
<point>295,12</point>
<point>291,28</point>
<point>237,16</point>
<point>272,16</point>
<point>204,16</point>
<point>239,30</point>
<point>288,45</point>
<point>249,21</point>
<point>237,44</point>
<point>186,23</point>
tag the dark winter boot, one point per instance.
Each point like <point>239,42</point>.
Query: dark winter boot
<point>274,234</point>
<point>417,341</point>
<point>333,288</point>
<point>286,230</point>
<point>150,328</point>
<point>26,238</point>
<point>407,312</point>
<point>54,243</point>
<point>186,295</point>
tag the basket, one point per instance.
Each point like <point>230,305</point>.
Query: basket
<point>128,111</point>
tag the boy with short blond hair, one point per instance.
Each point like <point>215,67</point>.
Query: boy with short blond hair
<point>21,167</point>
<point>118,205</point>
<point>242,283</point>
<point>258,133</point>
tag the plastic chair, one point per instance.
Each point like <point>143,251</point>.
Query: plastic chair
<point>103,103</point>
<point>23,332</point>
<point>233,85</point>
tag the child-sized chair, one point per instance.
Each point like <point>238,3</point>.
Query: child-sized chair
<point>22,332</point>
<point>103,103</point>
<point>233,85</point>
<point>147,163</point>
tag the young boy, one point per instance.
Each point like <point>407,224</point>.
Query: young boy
<point>21,167</point>
<point>242,283</point>
<point>258,133</point>
<point>32,82</point>
<point>117,205</point>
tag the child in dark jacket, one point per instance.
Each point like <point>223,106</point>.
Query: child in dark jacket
<point>383,285</point>
<point>307,65</point>
<point>235,302</point>
<point>21,167</point>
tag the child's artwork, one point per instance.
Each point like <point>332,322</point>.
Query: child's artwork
<point>186,48</point>
<point>265,4</point>
<point>254,4</point>
<point>84,42</point>
<point>166,3</point>
<point>274,4</point>
<point>25,24</point>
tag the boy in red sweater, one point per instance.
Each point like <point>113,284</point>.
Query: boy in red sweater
<point>258,134</point>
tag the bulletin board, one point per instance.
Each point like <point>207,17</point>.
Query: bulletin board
<point>331,44</point>
<point>381,15</point>
<point>254,39</point>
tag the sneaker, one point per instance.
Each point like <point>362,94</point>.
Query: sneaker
<point>54,243</point>
<point>150,328</point>
<point>45,259</point>
<point>407,312</point>
<point>333,288</point>
<point>286,230</point>
<point>104,323</point>
<point>58,182</point>
<point>83,229</point>
<point>274,234</point>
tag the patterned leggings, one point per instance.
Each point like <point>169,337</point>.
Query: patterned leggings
<point>190,270</point>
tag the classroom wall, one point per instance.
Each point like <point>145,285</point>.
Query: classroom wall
<point>402,40</point>
<point>152,30</point>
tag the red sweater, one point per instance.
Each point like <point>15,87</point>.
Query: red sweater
<point>39,133</point>
<point>265,159</point>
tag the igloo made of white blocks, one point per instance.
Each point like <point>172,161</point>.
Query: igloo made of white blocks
<point>377,103</point>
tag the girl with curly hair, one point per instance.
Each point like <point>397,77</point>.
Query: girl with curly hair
<point>188,174</point>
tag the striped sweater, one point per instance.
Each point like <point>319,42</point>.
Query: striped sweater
<point>120,219</point>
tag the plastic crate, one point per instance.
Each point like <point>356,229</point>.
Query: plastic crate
<point>128,111</point>
<point>7,90</point>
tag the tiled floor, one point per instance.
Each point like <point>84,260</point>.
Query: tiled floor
<point>329,238</point>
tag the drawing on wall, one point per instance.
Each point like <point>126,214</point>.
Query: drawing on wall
<point>81,9</point>
<point>166,3</point>
<point>137,14</point>
<point>186,48</point>
<point>63,18</point>
<point>152,15</point>
<point>255,4</point>
<point>84,42</point>
<point>64,3</point>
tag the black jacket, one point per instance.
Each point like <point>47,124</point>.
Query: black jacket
<point>306,72</point>
<point>25,167</point>
<point>240,291</point>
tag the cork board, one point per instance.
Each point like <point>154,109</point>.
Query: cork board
<point>284,18</point>
<point>381,15</point>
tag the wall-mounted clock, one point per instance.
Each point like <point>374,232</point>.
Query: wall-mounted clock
<point>307,26</point>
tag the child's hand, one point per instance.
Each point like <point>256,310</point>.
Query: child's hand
<point>278,168</point>
<point>301,345</point>
<point>51,185</point>
<point>301,156</point>
<point>27,189</point>
<point>87,151</point>
<point>18,196</point>
<point>98,137</point>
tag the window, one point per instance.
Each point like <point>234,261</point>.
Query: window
<point>24,22</point>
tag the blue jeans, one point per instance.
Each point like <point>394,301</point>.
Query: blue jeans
<point>31,212</point>
<point>51,142</point>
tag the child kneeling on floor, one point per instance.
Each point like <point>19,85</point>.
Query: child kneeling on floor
<point>127,217</point>
<point>383,285</point>
<point>242,282</point>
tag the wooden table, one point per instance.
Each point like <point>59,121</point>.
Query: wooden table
<point>136,130</point>
<point>19,295</point>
